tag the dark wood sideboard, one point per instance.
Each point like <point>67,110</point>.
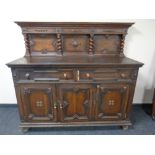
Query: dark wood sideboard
<point>74,74</point>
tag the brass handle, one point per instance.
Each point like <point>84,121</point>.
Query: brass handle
<point>55,105</point>
<point>78,75</point>
<point>61,106</point>
<point>39,103</point>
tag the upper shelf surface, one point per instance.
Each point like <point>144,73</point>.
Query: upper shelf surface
<point>73,24</point>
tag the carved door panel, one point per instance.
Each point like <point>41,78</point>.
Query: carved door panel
<point>75,102</point>
<point>38,102</point>
<point>111,101</point>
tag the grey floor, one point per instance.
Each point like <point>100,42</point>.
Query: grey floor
<point>142,124</point>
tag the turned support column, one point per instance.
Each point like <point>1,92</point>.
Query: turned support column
<point>91,44</point>
<point>59,43</point>
<point>27,44</point>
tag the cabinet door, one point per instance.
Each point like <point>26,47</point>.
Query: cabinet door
<point>111,101</point>
<point>38,102</point>
<point>75,102</point>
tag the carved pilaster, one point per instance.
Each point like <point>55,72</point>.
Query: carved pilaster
<point>27,44</point>
<point>91,44</point>
<point>59,43</point>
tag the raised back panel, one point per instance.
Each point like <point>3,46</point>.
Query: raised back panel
<point>107,44</point>
<point>42,43</point>
<point>43,38</point>
<point>75,43</point>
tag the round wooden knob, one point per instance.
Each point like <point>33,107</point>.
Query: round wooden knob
<point>65,75</point>
<point>88,75</point>
<point>98,86</point>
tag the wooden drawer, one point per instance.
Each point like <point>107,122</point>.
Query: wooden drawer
<point>90,74</point>
<point>46,74</point>
<point>104,74</point>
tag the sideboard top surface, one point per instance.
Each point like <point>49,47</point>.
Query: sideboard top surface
<point>75,61</point>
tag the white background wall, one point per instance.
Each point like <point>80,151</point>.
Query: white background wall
<point>140,42</point>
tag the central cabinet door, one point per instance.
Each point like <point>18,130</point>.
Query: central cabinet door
<point>38,102</point>
<point>75,102</point>
<point>111,101</point>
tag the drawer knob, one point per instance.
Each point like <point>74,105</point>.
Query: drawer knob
<point>65,75</point>
<point>123,75</point>
<point>88,75</point>
<point>98,86</point>
<point>78,75</point>
<point>27,75</point>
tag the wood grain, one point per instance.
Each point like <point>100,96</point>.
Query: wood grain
<point>74,74</point>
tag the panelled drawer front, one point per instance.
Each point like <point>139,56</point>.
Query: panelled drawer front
<point>77,74</point>
<point>98,74</point>
<point>53,75</point>
<point>106,74</point>
<point>45,74</point>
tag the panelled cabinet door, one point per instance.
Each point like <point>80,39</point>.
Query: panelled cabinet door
<point>111,101</point>
<point>38,102</point>
<point>75,102</point>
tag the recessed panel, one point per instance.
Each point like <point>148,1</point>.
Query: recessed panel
<point>75,43</point>
<point>112,102</point>
<point>75,102</point>
<point>107,44</point>
<point>43,43</point>
<point>39,103</point>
